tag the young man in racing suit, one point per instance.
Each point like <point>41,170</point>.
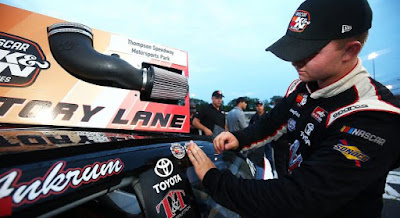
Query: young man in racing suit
<point>343,125</point>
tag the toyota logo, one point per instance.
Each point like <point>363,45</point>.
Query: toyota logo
<point>163,167</point>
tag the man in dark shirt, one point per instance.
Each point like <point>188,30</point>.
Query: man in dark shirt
<point>259,113</point>
<point>211,118</point>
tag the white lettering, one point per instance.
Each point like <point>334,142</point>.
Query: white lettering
<point>345,110</point>
<point>305,138</point>
<point>368,136</point>
<point>294,112</point>
<point>163,185</point>
<point>24,191</point>
<point>356,132</point>
<point>57,185</point>
<point>55,182</point>
<point>74,175</point>
<point>14,45</point>
<point>49,178</point>
<point>6,189</point>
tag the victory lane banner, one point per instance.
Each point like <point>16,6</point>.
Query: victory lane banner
<point>36,90</point>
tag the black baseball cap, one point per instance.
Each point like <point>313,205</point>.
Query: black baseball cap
<point>259,103</point>
<point>317,22</point>
<point>217,94</point>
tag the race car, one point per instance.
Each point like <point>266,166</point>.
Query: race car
<point>96,124</point>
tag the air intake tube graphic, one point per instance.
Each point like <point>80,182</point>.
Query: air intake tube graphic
<point>72,47</point>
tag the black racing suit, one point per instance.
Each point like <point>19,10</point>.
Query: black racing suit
<point>345,139</point>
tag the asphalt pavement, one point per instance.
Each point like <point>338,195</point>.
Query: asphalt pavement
<point>391,197</point>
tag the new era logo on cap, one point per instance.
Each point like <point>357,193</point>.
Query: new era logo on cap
<point>346,28</point>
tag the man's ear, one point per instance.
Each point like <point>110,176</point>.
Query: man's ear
<point>351,50</point>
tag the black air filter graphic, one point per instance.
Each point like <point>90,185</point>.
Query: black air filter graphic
<point>72,47</point>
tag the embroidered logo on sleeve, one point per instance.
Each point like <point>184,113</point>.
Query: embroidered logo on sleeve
<point>363,134</point>
<point>307,132</point>
<point>301,99</point>
<point>295,159</point>
<point>319,113</point>
<point>351,152</point>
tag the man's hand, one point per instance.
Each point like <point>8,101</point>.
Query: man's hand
<point>225,141</point>
<point>196,122</point>
<point>202,164</point>
<point>208,132</point>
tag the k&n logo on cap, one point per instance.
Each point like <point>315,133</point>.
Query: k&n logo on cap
<point>300,20</point>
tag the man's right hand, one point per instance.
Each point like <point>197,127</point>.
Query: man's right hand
<point>225,141</point>
<point>208,132</point>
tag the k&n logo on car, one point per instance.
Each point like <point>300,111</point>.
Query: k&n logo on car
<point>20,60</point>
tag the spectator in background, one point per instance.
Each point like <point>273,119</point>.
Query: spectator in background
<point>236,118</point>
<point>263,156</point>
<point>193,112</point>
<point>259,113</point>
<point>211,118</point>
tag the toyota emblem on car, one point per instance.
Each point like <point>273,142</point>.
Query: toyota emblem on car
<point>164,167</point>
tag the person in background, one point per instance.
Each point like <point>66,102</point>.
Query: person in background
<point>263,156</point>
<point>260,112</point>
<point>342,124</point>
<point>211,118</point>
<point>236,118</point>
<point>193,112</point>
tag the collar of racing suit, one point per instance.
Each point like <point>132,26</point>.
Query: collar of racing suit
<point>357,74</point>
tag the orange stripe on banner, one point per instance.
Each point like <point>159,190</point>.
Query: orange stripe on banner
<point>126,104</point>
<point>13,17</point>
